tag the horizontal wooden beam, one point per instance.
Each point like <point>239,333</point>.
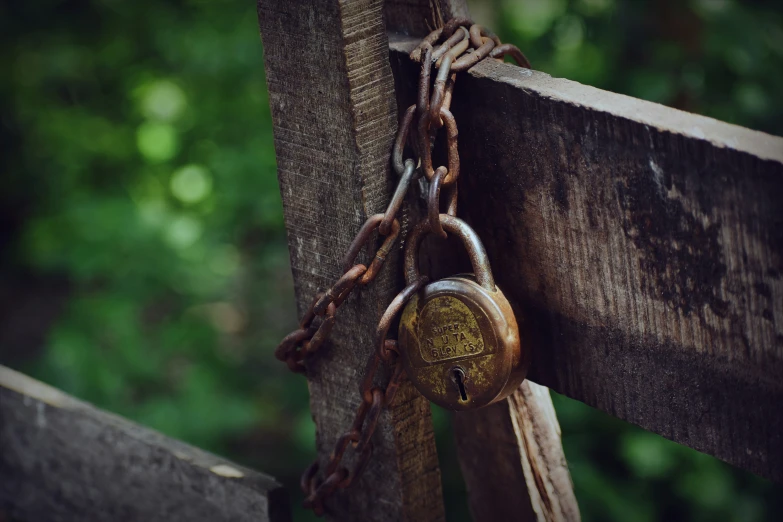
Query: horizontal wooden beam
<point>64,460</point>
<point>641,246</point>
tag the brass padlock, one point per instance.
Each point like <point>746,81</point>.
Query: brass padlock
<point>458,337</point>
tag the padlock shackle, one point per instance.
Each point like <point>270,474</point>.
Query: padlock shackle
<point>476,252</point>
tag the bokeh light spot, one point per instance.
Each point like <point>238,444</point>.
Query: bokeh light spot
<point>157,142</point>
<point>191,183</point>
<point>533,18</point>
<point>163,100</point>
<point>569,33</point>
<point>183,231</point>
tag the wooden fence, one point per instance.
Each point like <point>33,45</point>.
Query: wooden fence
<point>641,247</point>
<point>63,460</point>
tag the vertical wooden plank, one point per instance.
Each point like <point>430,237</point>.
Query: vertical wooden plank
<point>510,453</point>
<point>332,98</point>
<point>512,443</point>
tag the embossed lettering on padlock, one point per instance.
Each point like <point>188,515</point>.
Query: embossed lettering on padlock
<point>458,338</point>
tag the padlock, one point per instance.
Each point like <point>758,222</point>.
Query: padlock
<point>458,337</point>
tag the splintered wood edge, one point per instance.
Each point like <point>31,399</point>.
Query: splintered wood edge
<point>29,410</point>
<point>512,459</point>
<point>545,468</point>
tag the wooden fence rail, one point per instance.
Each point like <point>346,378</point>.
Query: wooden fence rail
<point>641,245</point>
<point>62,460</point>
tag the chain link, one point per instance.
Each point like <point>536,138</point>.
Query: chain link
<point>374,399</point>
<point>449,49</point>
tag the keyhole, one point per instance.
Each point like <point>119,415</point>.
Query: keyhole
<point>458,375</point>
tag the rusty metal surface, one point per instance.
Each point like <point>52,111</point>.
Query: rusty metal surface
<point>476,33</point>
<point>423,100</point>
<point>428,40</point>
<point>386,349</point>
<point>455,51</point>
<point>472,58</point>
<point>459,338</point>
<point>402,137</point>
<point>510,50</point>
<point>439,91</point>
<point>452,148</point>
<point>453,24</point>
<point>389,217</point>
<point>453,40</point>
<point>374,399</point>
<point>476,252</point>
<point>433,202</point>
<point>451,210</point>
<point>462,348</point>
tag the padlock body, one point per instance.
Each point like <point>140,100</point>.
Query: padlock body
<point>460,344</point>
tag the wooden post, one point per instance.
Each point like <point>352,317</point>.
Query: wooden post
<point>332,97</point>
<point>64,460</point>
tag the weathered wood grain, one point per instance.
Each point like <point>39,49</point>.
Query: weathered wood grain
<point>512,443</point>
<point>63,460</point>
<point>643,249</point>
<point>331,93</point>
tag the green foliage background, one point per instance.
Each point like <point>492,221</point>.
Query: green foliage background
<point>143,253</point>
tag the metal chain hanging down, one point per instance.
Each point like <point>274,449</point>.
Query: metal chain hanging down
<point>456,47</point>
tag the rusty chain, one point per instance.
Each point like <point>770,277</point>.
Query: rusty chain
<point>374,399</point>
<point>457,46</point>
